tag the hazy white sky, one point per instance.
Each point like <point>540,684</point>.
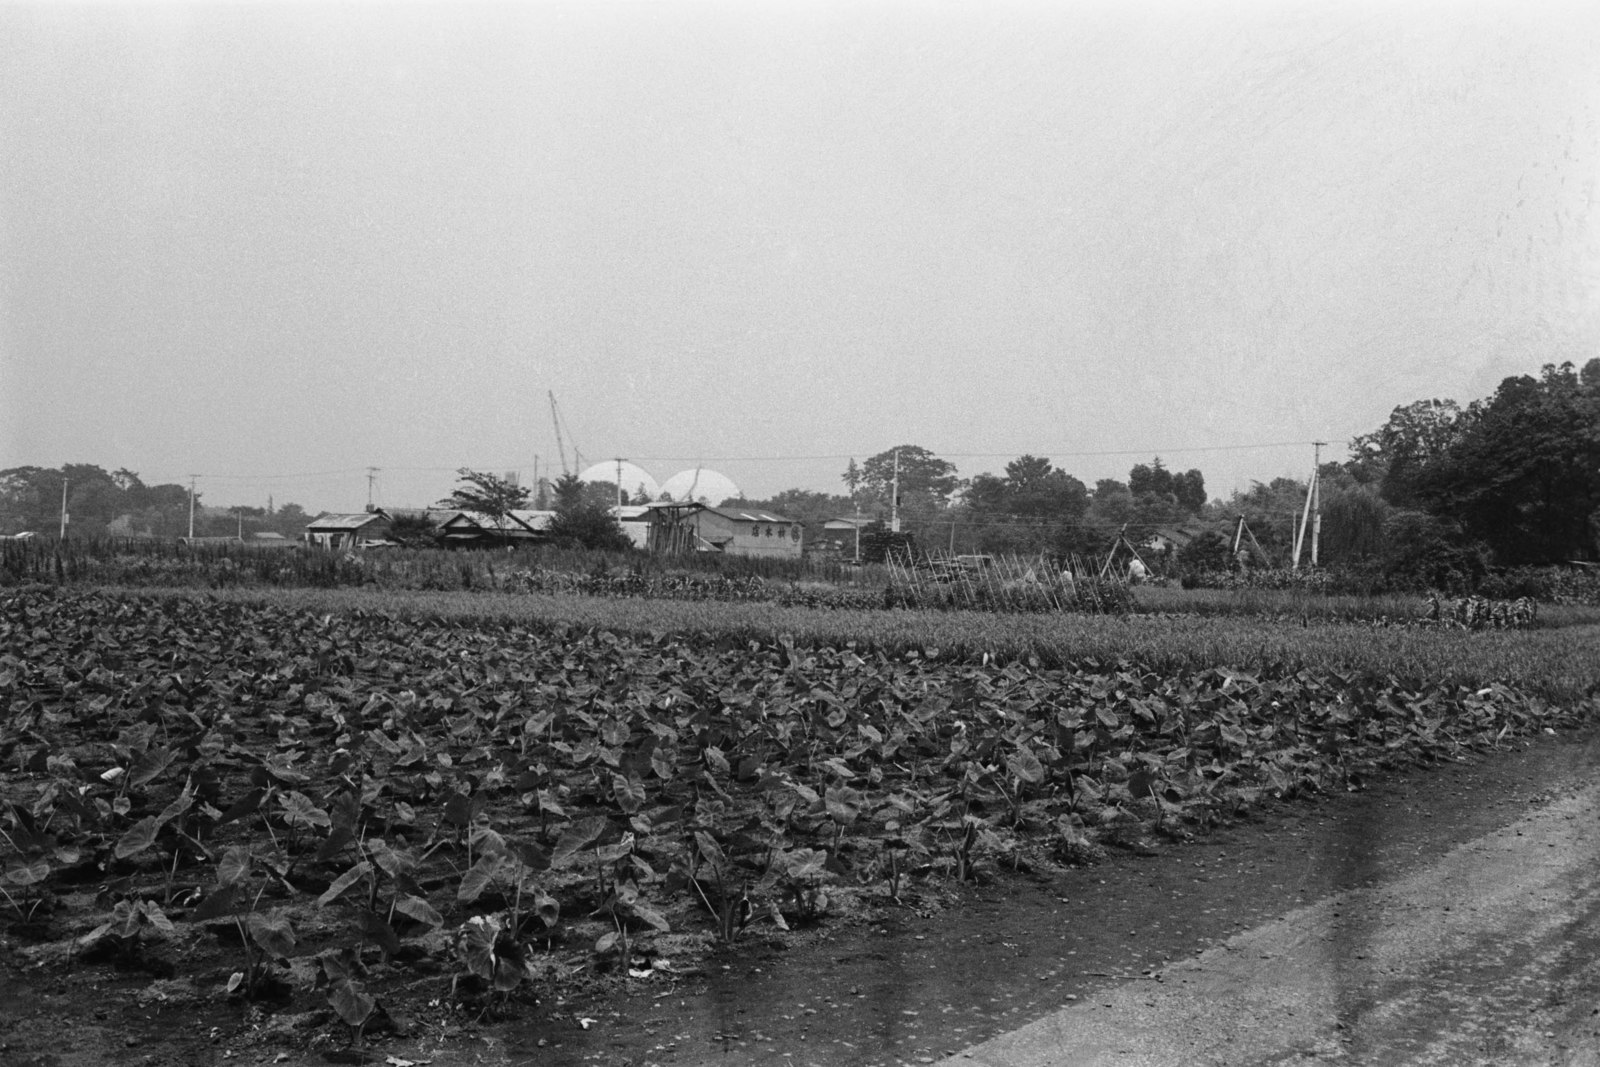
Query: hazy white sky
<point>274,244</point>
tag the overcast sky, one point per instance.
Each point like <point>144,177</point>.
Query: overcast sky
<point>275,244</point>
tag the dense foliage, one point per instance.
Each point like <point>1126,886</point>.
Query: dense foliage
<point>1518,472</point>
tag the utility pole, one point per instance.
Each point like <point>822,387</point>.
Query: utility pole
<point>1313,499</point>
<point>372,475</point>
<point>191,507</point>
<point>239,513</point>
<point>64,482</point>
<point>894,499</point>
<point>1316,502</point>
<point>620,499</point>
<point>858,531</point>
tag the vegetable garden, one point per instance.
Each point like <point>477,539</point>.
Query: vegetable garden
<point>333,802</point>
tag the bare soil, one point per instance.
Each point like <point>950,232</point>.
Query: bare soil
<point>881,984</point>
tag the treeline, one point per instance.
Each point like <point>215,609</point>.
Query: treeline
<point>1032,507</point>
<point>102,504</point>
<point>1449,492</point>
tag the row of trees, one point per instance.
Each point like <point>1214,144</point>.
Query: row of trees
<point>1032,507</point>
<point>1512,479</point>
<point>119,504</point>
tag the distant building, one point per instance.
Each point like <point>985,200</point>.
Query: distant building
<point>841,534</point>
<point>471,529</point>
<point>635,522</point>
<point>733,531</point>
<point>346,531</point>
<point>270,539</point>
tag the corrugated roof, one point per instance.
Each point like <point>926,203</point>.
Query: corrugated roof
<point>343,522</point>
<point>740,515</point>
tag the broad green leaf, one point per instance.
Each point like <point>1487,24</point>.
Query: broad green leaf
<point>1025,765</point>
<point>28,873</point>
<point>272,933</point>
<point>352,1003</point>
<point>716,761</point>
<point>628,791</point>
<point>301,810</point>
<point>414,907</point>
<point>148,764</point>
<point>234,866</point>
<point>577,836</point>
<point>343,883</point>
<point>478,878</point>
<point>138,838</point>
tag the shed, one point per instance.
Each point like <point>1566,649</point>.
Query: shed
<point>346,530</point>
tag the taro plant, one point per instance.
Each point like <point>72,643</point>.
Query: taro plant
<point>625,907</point>
<point>130,922</point>
<point>337,974</point>
<point>732,909</point>
<point>488,948</point>
<point>267,939</point>
<point>801,877</point>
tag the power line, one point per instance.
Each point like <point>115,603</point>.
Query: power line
<point>838,456</point>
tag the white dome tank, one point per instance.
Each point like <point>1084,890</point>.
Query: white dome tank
<point>633,476</point>
<point>700,484</point>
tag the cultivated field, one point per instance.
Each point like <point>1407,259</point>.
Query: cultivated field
<point>392,807</point>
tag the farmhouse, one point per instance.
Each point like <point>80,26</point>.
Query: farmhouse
<point>471,529</point>
<point>733,531</point>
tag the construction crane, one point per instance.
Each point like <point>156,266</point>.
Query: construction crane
<point>555,418</point>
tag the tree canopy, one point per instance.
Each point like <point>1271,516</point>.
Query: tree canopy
<point>923,477</point>
<point>584,518</point>
<point>1517,473</point>
<point>486,494</point>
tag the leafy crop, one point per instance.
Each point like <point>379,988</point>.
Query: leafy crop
<point>345,796</point>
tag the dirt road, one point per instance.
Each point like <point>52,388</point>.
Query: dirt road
<point>1487,955</point>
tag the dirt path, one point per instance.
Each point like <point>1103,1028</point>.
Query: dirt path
<point>1486,956</point>
<point>1233,924</point>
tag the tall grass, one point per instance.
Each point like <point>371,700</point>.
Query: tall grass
<point>170,564</point>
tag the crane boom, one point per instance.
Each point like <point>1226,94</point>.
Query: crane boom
<point>555,419</point>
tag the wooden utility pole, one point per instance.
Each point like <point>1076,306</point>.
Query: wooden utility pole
<point>64,483</point>
<point>1316,502</point>
<point>372,475</point>
<point>620,498</point>
<point>191,507</point>
<point>1313,503</point>
<point>894,498</point>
